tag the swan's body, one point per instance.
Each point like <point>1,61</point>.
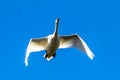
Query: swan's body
<point>52,42</point>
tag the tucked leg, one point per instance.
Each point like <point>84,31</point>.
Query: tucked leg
<point>46,55</point>
<point>54,54</point>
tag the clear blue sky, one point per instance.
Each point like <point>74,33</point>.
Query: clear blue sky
<point>96,21</point>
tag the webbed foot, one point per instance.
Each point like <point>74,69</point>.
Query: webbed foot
<point>54,54</point>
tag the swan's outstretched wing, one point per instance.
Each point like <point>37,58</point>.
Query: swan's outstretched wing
<point>37,44</point>
<point>75,41</point>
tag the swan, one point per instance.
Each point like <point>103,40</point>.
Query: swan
<point>52,42</point>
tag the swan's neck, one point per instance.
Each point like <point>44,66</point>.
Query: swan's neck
<point>56,27</point>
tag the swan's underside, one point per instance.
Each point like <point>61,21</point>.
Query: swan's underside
<point>39,44</point>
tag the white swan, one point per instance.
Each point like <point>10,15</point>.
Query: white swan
<point>52,42</point>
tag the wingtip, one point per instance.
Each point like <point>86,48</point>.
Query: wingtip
<point>26,63</point>
<point>92,56</point>
<point>89,53</point>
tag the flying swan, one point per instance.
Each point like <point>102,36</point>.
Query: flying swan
<point>52,42</point>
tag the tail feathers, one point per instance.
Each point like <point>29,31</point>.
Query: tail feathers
<point>47,58</point>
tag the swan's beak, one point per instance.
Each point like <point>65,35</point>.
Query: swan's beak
<point>57,20</point>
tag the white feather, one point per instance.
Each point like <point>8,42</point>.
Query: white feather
<point>35,45</point>
<point>52,42</point>
<point>75,41</point>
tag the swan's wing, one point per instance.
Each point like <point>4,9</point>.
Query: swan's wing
<point>75,41</point>
<point>36,44</point>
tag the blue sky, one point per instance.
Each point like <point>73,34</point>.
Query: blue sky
<point>96,21</point>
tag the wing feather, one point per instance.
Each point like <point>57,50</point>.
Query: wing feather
<point>77,42</point>
<point>35,44</point>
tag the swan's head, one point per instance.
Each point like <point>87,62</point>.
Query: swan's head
<point>57,20</point>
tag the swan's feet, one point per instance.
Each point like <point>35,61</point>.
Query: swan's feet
<point>46,55</point>
<point>54,54</point>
